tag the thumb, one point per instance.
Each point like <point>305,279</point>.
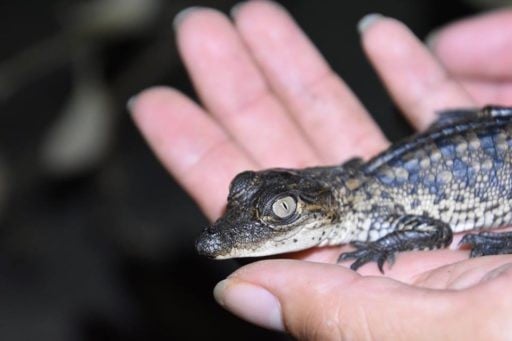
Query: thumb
<point>329,302</point>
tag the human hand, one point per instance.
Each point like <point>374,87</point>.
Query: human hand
<point>270,100</point>
<point>477,52</point>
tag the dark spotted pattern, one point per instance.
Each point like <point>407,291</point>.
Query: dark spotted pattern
<point>449,173</point>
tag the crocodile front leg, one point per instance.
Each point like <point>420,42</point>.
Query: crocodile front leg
<point>411,233</point>
<point>488,243</point>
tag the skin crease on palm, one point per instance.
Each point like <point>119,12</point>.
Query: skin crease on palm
<point>269,99</point>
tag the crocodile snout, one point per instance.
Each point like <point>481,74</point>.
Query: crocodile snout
<point>210,243</point>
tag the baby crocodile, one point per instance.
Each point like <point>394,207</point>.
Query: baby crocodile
<point>454,177</point>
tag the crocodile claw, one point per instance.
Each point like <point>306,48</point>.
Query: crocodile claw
<point>368,252</point>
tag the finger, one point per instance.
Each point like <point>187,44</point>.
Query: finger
<point>462,275</point>
<point>486,92</point>
<point>326,110</point>
<point>232,88</point>
<point>415,80</point>
<point>478,47</point>
<point>191,146</point>
<point>328,302</point>
<point>407,267</point>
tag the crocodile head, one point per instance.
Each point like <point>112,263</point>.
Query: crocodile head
<point>270,212</point>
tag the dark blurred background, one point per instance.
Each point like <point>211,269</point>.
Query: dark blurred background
<point>96,239</point>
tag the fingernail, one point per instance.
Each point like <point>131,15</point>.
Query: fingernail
<point>130,104</point>
<point>367,21</point>
<point>250,302</point>
<point>431,39</point>
<point>178,19</point>
<point>236,8</point>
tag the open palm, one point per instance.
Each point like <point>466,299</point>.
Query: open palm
<point>270,100</point>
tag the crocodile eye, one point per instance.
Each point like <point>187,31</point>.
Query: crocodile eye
<point>284,207</point>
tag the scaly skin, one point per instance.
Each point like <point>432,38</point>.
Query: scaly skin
<point>455,177</point>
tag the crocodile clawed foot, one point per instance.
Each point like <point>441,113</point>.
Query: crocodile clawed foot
<point>475,242</point>
<point>488,243</point>
<point>368,252</point>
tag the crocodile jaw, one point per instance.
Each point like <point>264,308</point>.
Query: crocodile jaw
<point>216,246</point>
